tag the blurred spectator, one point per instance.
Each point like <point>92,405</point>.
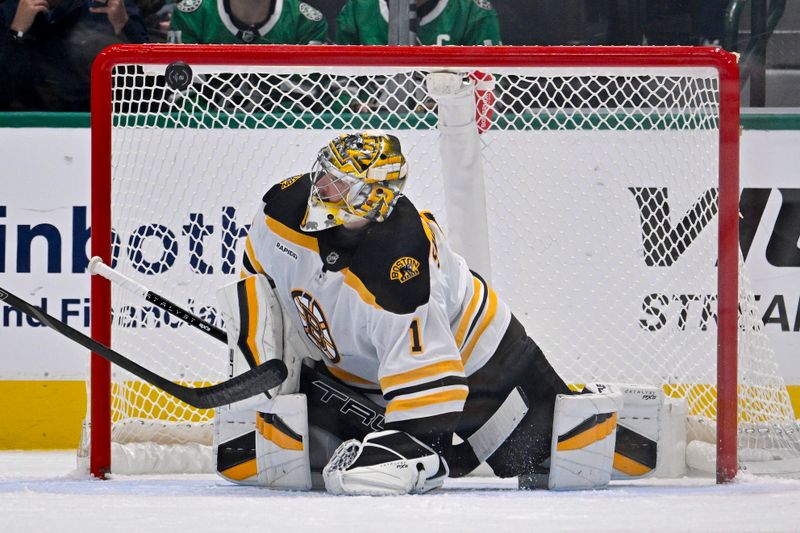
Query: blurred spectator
<point>626,20</point>
<point>441,22</point>
<point>666,22</point>
<point>157,15</point>
<point>247,22</point>
<point>47,48</point>
<point>709,21</point>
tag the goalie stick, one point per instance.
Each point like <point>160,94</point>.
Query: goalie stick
<point>97,266</point>
<point>241,387</point>
<point>465,456</point>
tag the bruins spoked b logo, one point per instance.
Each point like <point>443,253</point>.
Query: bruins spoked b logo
<point>404,269</point>
<point>315,325</point>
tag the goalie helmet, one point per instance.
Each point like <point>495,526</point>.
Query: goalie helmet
<point>356,176</point>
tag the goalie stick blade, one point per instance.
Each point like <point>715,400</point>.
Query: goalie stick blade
<point>253,382</point>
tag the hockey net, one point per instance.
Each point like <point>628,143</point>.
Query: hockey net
<point>611,190</point>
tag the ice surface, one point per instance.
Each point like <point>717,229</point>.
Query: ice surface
<point>40,491</point>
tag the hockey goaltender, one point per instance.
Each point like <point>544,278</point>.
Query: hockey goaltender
<point>405,367</point>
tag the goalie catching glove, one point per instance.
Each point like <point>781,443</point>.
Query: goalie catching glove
<point>386,463</point>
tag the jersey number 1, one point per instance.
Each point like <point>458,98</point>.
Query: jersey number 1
<point>416,337</point>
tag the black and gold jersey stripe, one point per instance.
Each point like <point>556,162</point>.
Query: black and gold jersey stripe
<point>423,402</point>
<point>438,370</point>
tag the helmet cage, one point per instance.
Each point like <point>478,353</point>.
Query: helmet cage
<point>364,183</point>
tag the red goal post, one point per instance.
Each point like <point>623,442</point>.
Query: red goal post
<point>500,59</point>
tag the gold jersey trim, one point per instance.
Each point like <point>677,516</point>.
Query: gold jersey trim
<point>468,314</point>
<point>488,317</point>
<point>355,283</point>
<point>406,404</point>
<point>426,217</point>
<point>450,366</point>
<point>298,238</point>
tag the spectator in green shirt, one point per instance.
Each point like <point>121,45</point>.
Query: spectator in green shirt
<point>247,22</point>
<point>441,22</point>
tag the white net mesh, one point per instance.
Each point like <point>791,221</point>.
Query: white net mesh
<point>601,193</point>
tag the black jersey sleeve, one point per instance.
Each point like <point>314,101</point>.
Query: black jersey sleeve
<point>392,261</point>
<point>286,201</point>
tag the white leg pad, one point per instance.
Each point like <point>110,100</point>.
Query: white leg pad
<point>641,425</point>
<point>584,434</point>
<point>265,444</point>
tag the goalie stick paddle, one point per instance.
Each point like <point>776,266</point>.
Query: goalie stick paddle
<point>253,382</point>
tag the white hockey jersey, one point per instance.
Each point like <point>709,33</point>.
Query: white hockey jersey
<point>399,314</point>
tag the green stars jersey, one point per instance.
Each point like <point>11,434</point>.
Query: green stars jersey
<point>212,22</point>
<point>455,22</point>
